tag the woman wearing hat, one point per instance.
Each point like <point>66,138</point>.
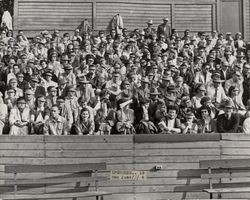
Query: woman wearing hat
<point>206,124</point>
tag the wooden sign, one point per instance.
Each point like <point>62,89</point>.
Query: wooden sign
<point>128,175</point>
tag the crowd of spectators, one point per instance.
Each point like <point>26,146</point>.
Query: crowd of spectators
<point>149,81</point>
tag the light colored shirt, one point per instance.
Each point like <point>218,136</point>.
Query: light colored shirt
<point>57,126</point>
<point>246,126</point>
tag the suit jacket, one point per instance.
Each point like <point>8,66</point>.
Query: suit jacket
<point>228,75</point>
<point>164,30</point>
<point>225,125</point>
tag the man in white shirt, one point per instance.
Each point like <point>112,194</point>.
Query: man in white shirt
<point>216,92</point>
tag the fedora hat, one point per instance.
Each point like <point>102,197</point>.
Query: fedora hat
<point>83,80</point>
<point>228,103</point>
<point>154,91</point>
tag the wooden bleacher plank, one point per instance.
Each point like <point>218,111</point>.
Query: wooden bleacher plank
<point>228,190</point>
<point>54,195</point>
<point>89,139</point>
<point>176,138</point>
<point>225,175</point>
<point>54,180</point>
<point>59,168</point>
<point>226,163</point>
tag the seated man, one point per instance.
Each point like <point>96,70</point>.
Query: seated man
<point>228,122</point>
<point>56,124</point>
<point>19,118</point>
<point>170,123</point>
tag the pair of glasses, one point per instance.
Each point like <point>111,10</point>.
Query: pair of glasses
<point>204,111</point>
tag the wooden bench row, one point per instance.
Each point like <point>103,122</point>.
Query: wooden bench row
<point>78,174</point>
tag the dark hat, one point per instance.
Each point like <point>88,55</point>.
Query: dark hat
<point>83,80</point>
<point>166,78</point>
<point>21,100</point>
<point>51,88</point>
<point>34,79</point>
<point>65,58</point>
<point>189,115</point>
<point>60,100</point>
<point>71,89</point>
<point>217,80</point>
<point>150,21</point>
<point>144,80</point>
<point>11,90</point>
<point>228,104</point>
<point>48,73</point>
<point>62,81</point>
<point>154,91</point>
<point>171,88</point>
<point>68,67</point>
<point>30,92</point>
<point>205,99</point>
<point>41,98</point>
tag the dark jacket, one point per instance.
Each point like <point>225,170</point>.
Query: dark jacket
<point>225,125</point>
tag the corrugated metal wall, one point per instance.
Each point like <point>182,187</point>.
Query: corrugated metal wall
<point>66,15</point>
<point>193,17</point>
<point>247,18</point>
<point>135,15</point>
<point>39,15</point>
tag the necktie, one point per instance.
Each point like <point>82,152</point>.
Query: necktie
<point>216,94</point>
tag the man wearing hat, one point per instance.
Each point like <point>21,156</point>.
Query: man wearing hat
<point>71,101</point>
<point>19,118</point>
<point>34,85</point>
<point>204,76</point>
<point>51,97</point>
<point>182,89</point>
<point>225,72</point>
<point>216,92</point>
<point>143,91</point>
<point>228,122</point>
<point>13,85</point>
<point>164,28</point>
<point>86,91</point>
<point>69,75</point>
<point>149,30</point>
<point>65,111</point>
<point>155,104</point>
<point>29,98</point>
<point>47,82</point>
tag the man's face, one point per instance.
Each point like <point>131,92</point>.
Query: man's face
<point>54,112</point>
<point>21,106</point>
<point>29,97</point>
<point>172,114</point>
<point>228,111</point>
<point>85,115</point>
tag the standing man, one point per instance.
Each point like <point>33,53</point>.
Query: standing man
<point>164,28</point>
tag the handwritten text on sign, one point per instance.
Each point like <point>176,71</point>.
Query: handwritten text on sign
<point>128,175</point>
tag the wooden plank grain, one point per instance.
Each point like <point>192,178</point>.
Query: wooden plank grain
<point>80,167</point>
<point>176,138</point>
